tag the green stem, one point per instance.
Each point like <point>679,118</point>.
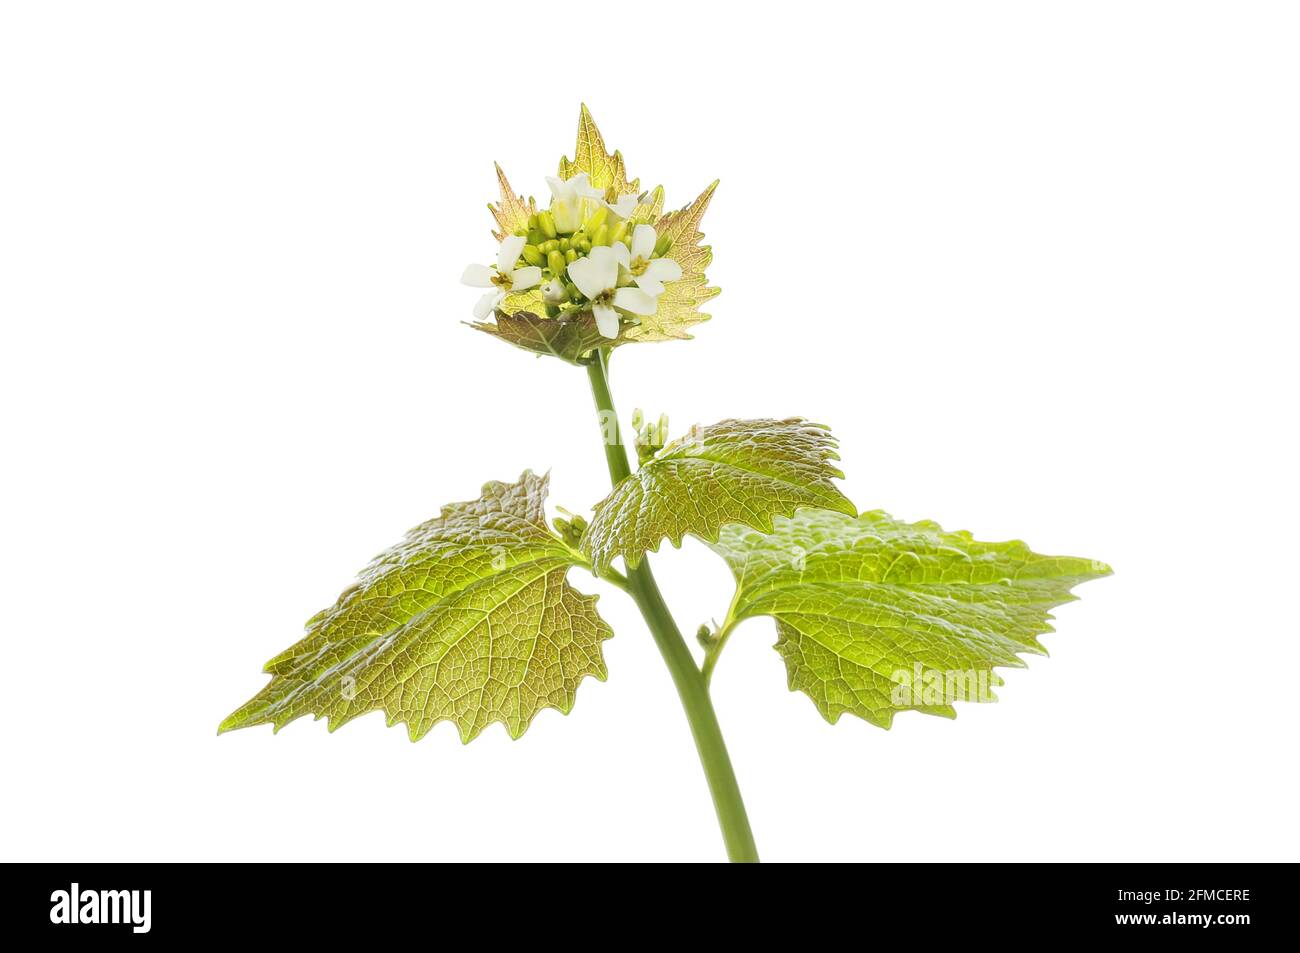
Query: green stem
<point>690,683</point>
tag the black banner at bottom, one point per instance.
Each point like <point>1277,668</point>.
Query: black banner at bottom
<point>136,903</point>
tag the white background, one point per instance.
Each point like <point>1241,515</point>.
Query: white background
<point>1035,263</point>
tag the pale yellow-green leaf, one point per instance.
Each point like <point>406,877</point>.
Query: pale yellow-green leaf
<point>606,170</point>
<point>679,304</point>
<point>470,619</point>
<point>512,212</point>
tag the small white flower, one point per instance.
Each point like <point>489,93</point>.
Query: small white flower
<point>597,277</point>
<point>567,200</point>
<point>649,273</point>
<point>504,279</point>
<point>553,292</point>
<point>624,206</point>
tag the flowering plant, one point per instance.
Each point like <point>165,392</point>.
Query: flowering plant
<point>471,618</point>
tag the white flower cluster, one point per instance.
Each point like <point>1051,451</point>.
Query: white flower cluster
<point>585,255</point>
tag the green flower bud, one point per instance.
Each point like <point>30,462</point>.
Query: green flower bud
<point>661,247</point>
<point>601,237</point>
<point>532,222</point>
<point>546,223</point>
<point>555,260</point>
<point>584,246</point>
<point>618,232</point>
<point>550,246</point>
<point>565,244</point>
<point>571,256</point>
<point>535,236</point>
<point>638,419</point>
<point>592,225</point>
<point>570,527</point>
<point>644,451</point>
<point>533,255</point>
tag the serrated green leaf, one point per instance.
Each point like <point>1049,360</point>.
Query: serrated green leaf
<point>679,304</point>
<point>864,606</point>
<point>568,337</point>
<point>512,212</point>
<point>604,169</point>
<point>736,471</point>
<point>470,619</point>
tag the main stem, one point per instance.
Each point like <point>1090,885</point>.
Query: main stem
<point>691,685</point>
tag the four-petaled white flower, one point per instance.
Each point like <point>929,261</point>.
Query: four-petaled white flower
<point>648,272</point>
<point>596,276</point>
<point>504,279</point>
<point>568,197</point>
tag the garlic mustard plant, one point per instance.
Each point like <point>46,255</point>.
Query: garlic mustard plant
<point>472,618</point>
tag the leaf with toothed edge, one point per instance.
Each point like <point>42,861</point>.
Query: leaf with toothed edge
<point>735,471</point>
<point>876,616</point>
<point>605,170</point>
<point>469,619</point>
<point>511,214</point>
<point>678,307</point>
